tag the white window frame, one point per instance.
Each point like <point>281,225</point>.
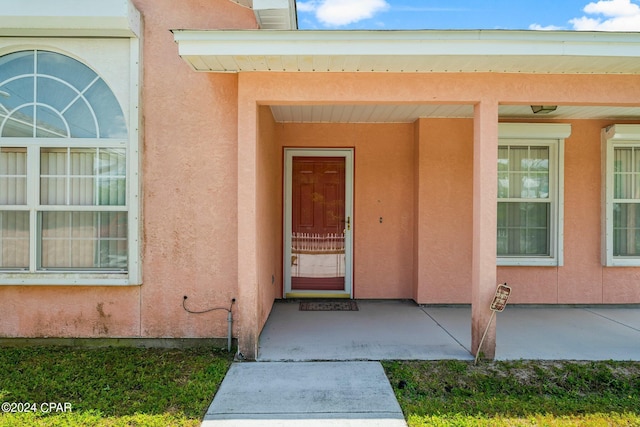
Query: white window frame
<point>551,135</point>
<point>618,135</point>
<point>117,62</point>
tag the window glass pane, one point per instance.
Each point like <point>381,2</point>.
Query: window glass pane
<point>84,240</point>
<point>50,124</point>
<point>13,176</point>
<point>65,68</point>
<point>53,176</point>
<point>538,159</point>
<point>523,172</point>
<point>523,228</point>
<point>81,120</point>
<point>623,173</point>
<point>16,93</point>
<point>626,229</point>
<point>503,185</point>
<point>503,159</point>
<point>110,118</point>
<point>67,176</point>
<point>537,186</point>
<point>19,124</point>
<point>535,180</point>
<point>16,64</point>
<point>55,93</point>
<point>83,176</point>
<point>112,170</point>
<point>14,240</point>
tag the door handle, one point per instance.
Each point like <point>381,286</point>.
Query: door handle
<point>348,223</point>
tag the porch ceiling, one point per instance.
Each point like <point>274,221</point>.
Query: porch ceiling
<point>408,113</point>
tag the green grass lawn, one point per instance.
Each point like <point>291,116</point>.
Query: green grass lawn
<point>109,386</point>
<point>519,393</point>
<point>155,387</point>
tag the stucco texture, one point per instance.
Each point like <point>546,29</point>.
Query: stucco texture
<point>188,152</point>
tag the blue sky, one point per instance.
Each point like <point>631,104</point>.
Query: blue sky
<point>597,15</point>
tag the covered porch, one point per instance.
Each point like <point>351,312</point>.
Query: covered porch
<point>421,112</point>
<point>403,330</point>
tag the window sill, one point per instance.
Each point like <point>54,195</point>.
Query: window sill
<point>623,262</point>
<point>527,262</point>
<point>66,279</point>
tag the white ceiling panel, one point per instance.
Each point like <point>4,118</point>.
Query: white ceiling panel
<point>407,113</point>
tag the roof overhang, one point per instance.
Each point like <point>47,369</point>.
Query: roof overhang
<point>545,52</point>
<point>273,14</point>
<point>69,18</point>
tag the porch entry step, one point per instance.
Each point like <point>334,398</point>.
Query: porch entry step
<point>340,305</point>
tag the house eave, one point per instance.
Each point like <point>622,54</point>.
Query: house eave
<point>557,52</point>
<point>273,14</point>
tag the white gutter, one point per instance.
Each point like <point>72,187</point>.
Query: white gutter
<point>480,42</point>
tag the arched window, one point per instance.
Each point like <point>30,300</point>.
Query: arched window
<point>49,95</point>
<point>63,167</point>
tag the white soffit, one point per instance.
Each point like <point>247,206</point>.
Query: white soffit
<point>69,18</point>
<point>408,113</point>
<point>273,14</point>
<point>545,52</point>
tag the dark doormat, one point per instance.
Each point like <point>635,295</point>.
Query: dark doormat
<point>328,306</point>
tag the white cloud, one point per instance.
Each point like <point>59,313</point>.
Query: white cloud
<point>335,13</point>
<point>539,27</point>
<point>306,6</point>
<point>616,15</point>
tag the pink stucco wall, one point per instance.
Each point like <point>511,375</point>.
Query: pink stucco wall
<point>269,205</point>
<point>189,204</point>
<point>190,122</point>
<point>443,197</point>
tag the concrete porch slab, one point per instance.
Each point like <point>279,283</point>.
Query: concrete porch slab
<point>380,330</point>
<point>402,330</point>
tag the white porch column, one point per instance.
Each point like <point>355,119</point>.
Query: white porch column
<point>247,321</point>
<point>485,172</point>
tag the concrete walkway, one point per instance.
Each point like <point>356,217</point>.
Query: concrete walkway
<point>314,394</point>
<point>323,368</point>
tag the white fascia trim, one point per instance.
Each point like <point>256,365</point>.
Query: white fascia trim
<point>411,43</point>
<point>69,18</point>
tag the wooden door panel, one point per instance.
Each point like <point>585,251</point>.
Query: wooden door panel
<point>318,203</point>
